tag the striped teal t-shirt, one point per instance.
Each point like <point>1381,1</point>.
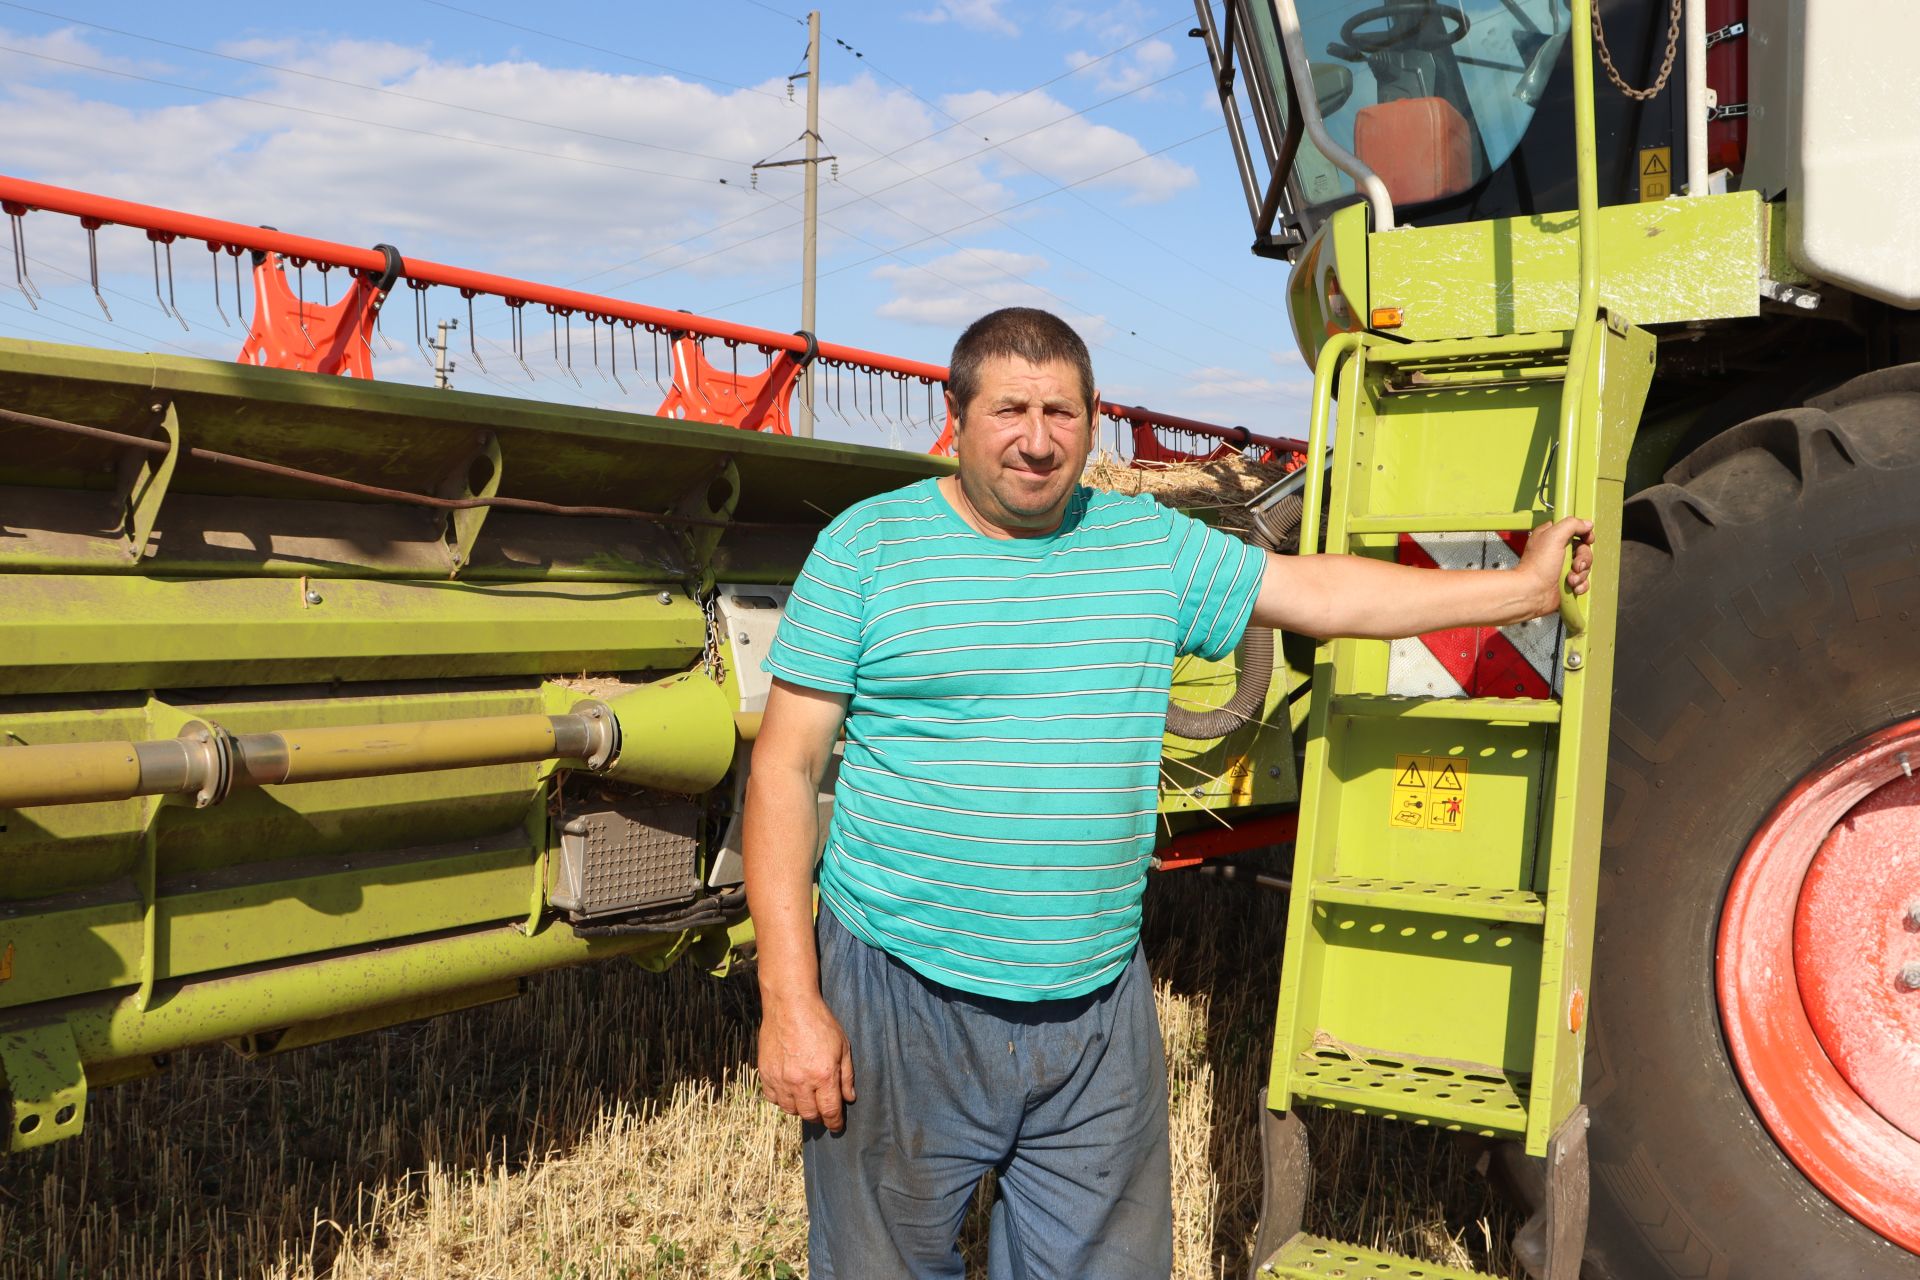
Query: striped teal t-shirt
<point>1006,701</point>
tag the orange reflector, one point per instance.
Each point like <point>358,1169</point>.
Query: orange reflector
<point>1389,317</point>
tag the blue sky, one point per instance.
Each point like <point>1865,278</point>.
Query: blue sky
<point>1065,155</point>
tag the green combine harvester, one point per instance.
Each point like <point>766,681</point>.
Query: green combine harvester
<point>329,705</point>
<point>1637,894</point>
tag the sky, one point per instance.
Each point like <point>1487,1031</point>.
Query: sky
<point>989,153</point>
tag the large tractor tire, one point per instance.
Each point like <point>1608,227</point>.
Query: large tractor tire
<point>1753,1067</point>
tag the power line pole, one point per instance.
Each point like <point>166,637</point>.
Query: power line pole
<point>810,214</point>
<point>443,367</point>
<point>810,237</point>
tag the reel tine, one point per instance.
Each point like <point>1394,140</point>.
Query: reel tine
<point>153,243</point>
<point>172,300</point>
<point>214,249</point>
<point>17,226</point>
<point>93,264</point>
<point>473,340</point>
<point>613,354</point>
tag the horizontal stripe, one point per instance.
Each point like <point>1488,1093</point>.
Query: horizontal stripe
<point>1122,865</point>
<point>1017,790</point>
<point>972,665</point>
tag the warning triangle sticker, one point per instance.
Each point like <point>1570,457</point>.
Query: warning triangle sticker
<point>1654,164</point>
<point>1410,777</point>
<point>1448,780</point>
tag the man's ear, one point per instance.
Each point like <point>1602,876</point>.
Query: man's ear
<point>953,411</point>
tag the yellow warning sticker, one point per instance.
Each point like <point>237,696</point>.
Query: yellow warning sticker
<point>1656,173</point>
<point>1240,780</point>
<point>1429,793</point>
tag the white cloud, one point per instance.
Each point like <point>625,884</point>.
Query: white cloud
<point>1139,66</point>
<point>980,15</point>
<point>1114,24</point>
<point>952,290</point>
<point>1043,134</point>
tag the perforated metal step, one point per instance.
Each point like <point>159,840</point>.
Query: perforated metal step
<point>1460,1096</point>
<point>1308,1257</point>
<point>1518,906</point>
<point>1484,710</point>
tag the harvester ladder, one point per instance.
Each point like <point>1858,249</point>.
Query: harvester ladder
<point>1439,944</point>
<point>1440,940</point>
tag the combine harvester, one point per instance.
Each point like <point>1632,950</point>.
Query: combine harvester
<point>297,747</point>
<point>1648,913</point>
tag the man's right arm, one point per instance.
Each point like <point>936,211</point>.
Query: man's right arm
<point>805,1065</point>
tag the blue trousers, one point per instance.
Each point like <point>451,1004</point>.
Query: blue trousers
<point>1065,1099</point>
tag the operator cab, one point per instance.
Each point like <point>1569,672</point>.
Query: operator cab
<point>1464,110</point>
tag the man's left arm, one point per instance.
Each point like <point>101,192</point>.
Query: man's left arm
<point>1344,595</point>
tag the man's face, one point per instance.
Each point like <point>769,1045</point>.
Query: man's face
<point>1022,443</point>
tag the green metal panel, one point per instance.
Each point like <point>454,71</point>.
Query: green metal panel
<point>73,632</point>
<point>200,1011</point>
<point>269,912</point>
<point>46,1087</point>
<point>1693,258</point>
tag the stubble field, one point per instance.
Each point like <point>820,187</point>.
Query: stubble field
<point>606,1125</point>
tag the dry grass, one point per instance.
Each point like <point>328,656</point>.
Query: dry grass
<point>1213,491</point>
<point>606,1125</point>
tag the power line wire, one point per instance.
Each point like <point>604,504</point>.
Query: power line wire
<point>971,221</point>
<point>945,164</point>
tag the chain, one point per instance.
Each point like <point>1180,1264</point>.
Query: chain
<point>1666,63</point>
<point>710,658</point>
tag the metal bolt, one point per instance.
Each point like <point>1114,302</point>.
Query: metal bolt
<point>1913,916</point>
<point>1273,771</point>
<point>157,408</point>
<point>1574,660</point>
<point>458,558</point>
<point>666,597</point>
<point>741,637</point>
<point>313,597</point>
<point>1909,976</point>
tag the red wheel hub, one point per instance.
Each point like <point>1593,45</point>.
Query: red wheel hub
<point>1819,978</point>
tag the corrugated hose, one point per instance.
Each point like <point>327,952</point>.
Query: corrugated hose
<point>1275,530</point>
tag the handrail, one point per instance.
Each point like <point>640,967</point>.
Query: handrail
<point>1573,609</point>
<point>1696,54</point>
<point>1337,348</point>
<point>19,196</point>
<point>1344,160</point>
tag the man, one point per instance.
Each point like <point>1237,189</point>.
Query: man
<point>998,645</point>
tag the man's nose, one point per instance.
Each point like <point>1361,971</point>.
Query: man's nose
<point>1035,440</point>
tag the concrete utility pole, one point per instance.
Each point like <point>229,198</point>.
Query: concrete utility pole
<point>810,214</point>
<point>810,236</point>
<point>443,367</point>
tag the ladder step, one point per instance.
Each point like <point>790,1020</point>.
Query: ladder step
<point>1468,350</point>
<point>1462,1096</point>
<point>1516,906</point>
<point>1387,706</point>
<point>1476,377</point>
<point>1471,522</point>
<point>1308,1257</point>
